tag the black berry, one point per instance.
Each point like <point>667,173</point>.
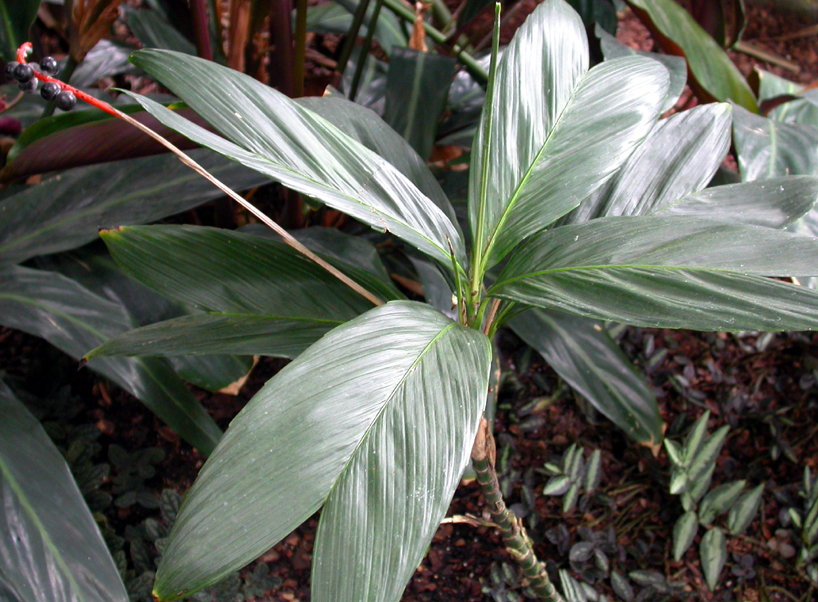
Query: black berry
<point>49,66</point>
<point>50,90</point>
<point>66,100</point>
<point>23,73</point>
<point>29,86</point>
<point>10,67</point>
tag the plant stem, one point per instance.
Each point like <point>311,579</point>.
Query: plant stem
<point>351,36</point>
<point>201,29</point>
<point>359,66</point>
<point>511,529</point>
<point>405,13</point>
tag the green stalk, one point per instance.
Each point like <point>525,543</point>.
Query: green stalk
<point>359,67</point>
<point>477,266</point>
<point>512,531</point>
<point>408,15</point>
<point>351,35</point>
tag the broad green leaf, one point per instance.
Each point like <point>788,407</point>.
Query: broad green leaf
<point>52,548</point>
<point>712,73</point>
<point>74,320</point>
<point>365,126</point>
<point>713,554</point>
<point>372,85</point>
<point>154,32</point>
<point>387,464</point>
<point>583,354</point>
<point>219,333</point>
<point>545,141</point>
<point>416,92</point>
<point>675,65</point>
<point>261,297</point>
<point>719,500</point>
<point>744,510</point>
<point>231,272</point>
<point>268,132</point>
<point>668,273</point>
<point>86,137</point>
<point>66,211</point>
<point>106,59</point>
<point>803,106</point>
<point>93,268</point>
<point>773,203</point>
<point>684,532</point>
<point>767,148</point>
<point>334,18</point>
<point>16,18</point>
<point>679,157</point>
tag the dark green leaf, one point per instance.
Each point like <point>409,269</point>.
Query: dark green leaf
<point>712,73</point>
<point>388,31</point>
<point>213,372</point>
<point>74,320</point>
<point>86,137</point>
<point>601,12</point>
<point>16,18</point>
<point>291,144</point>
<point>545,143</point>
<point>675,65</point>
<point>154,32</point>
<point>416,92</point>
<point>107,59</point>
<point>67,211</point>
<point>744,510</point>
<point>386,465</point>
<point>713,554</point>
<point>684,531</point>
<point>695,439</point>
<point>767,148</point>
<point>667,272</point>
<point>583,354</point>
<point>705,458</point>
<point>52,548</point>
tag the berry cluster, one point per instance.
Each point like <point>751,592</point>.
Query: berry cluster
<point>27,76</point>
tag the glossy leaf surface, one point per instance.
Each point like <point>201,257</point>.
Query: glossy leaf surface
<point>86,137</point>
<point>711,70</point>
<point>768,148</point>
<point>384,433</point>
<point>68,210</point>
<point>268,132</point>
<point>365,126</point>
<point>675,65</point>
<point>801,105</point>
<point>667,273</point>
<point>545,143</point>
<point>583,354</point>
<point>51,549</point>
<point>773,203</point>
<point>74,320</point>
<point>678,157</point>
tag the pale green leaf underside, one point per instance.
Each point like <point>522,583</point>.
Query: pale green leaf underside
<point>385,394</point>
<point>266,131</point>
<point>667,272</point>
<point>51,549</point>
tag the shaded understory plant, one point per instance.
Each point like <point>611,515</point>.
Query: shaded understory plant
<point>582,204</point>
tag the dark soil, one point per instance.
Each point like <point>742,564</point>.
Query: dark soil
<point>763,386</point>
